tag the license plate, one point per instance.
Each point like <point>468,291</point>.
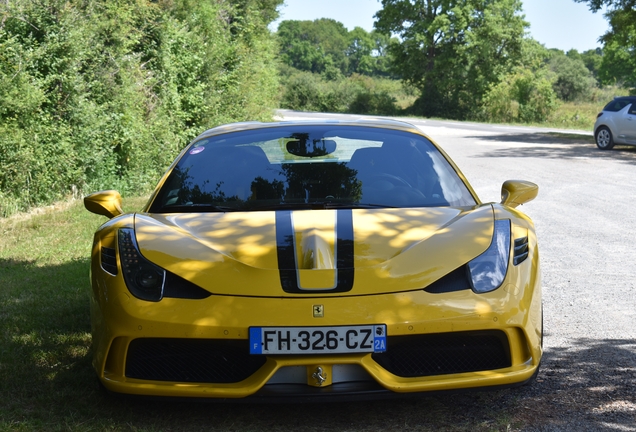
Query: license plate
<point>318,340</point>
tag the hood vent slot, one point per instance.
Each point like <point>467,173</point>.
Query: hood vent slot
<point>521,250</point>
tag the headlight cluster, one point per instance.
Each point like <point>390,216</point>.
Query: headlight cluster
<point>144,279</point>
<point>488,270</point>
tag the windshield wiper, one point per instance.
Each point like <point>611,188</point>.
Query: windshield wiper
<point>186,208</point>
<point>318,205</point>
<point>356,205</point>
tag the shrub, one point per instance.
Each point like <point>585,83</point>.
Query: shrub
<point>99,94</point>
<point>305,91</point>
<point>573,80</point>
<point>377,103</point>
<point>522,96</point>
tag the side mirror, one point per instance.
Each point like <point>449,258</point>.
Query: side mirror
<point>516,192</point>
<point>105,203</point>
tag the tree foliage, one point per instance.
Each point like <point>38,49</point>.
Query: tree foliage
<point>573,80</point>
<point>354,94</point>
<point>523,96</point>
<point>104,93</point>
<point>619,49</point>
<point>525,93</point>
<point>314,46</point>
<point>592,59</point>
<point>326,47</point>
<point>453,50</point>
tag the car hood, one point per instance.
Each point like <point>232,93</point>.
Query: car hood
<point>319,252</point>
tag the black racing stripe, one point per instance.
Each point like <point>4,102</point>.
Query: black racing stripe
<point>344,250</point>
<point>287,266</point>
<point>285,251</point>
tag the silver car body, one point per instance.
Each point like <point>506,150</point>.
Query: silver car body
<point>616,124</point>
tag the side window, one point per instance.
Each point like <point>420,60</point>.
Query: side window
<point>616,105</point>
<point>632,109</point>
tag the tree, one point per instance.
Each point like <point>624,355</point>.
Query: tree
<point>592,60</point>
<point>367,53</point>
<point>619,50</point>
<point>361,46</point>
<point>596,5</point>
<point>453,51</point>
<point>525,94</point>
<point>573,80</point>
<point>316,46</point>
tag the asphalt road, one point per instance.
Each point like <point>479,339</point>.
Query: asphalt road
<point>585,220</point>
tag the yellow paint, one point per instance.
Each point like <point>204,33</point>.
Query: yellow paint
<point>398,252</point>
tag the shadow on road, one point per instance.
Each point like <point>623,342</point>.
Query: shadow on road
<point>587,387</point>
<point>593,383</point>
<point>556,146</point>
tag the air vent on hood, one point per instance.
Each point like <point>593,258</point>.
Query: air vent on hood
<point>521,250</point>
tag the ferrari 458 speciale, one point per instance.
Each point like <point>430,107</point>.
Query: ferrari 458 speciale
<point>314,259</point>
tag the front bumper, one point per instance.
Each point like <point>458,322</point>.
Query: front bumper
<point>511,315</point>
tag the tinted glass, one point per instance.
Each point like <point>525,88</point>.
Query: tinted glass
<point>311,167</point>
<point>617,105</point>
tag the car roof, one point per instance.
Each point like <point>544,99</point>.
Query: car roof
<point>381,123</point>
<point>627,98</point>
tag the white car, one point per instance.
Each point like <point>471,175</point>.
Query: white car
<point>616,124</point>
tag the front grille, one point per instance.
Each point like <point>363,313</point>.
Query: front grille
<point>445,353</point>
<point>191,360</point>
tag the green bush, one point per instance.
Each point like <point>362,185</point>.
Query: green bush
<point>101,94</point>
<point>381,103</point>
<point>522,96</point>
<point>574,81</point>
<point>305,91</point>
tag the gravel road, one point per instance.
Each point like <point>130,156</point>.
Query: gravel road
<point>584,216</point>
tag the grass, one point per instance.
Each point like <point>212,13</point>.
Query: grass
<point>575,115</point>
<point>46,382</point>
<point>581,115</point>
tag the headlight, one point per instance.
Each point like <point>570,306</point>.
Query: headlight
<point>143,279</point>
<point>488,270</point>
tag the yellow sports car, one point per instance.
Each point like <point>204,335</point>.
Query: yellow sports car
<point>314,259</point>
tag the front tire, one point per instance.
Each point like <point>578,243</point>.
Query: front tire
<point>604,139</point>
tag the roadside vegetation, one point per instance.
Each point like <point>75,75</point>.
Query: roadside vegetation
<point>104,94</point>
<point>325,67</point>
<point>100,94</point>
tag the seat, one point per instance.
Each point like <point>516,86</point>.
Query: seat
<point>381,176</point>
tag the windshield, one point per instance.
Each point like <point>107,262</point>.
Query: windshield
<point>296,167</point>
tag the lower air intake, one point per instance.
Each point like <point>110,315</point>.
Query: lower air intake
<point>445,353</point>
<point>191,360</point>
